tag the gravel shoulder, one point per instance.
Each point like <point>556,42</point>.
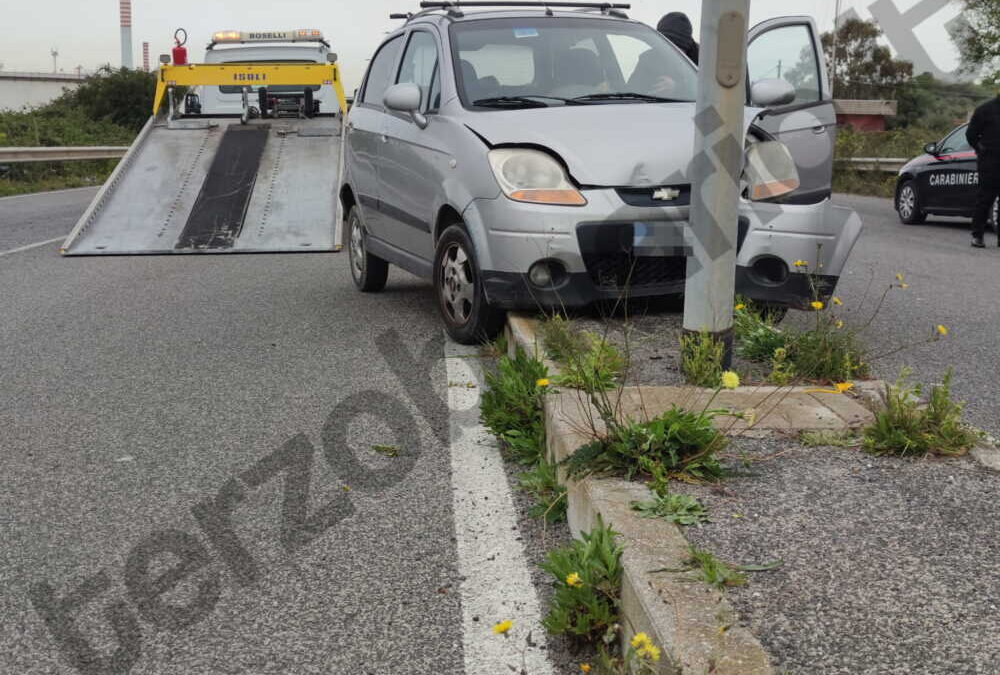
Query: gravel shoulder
<point>890,565</point>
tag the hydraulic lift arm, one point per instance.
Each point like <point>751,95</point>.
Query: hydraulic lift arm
<point>249,75</point>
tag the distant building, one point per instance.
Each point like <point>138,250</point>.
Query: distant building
<point>864,115</point>
<point>19,90</point>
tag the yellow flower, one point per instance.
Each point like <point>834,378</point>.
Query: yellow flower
<point>941,330</point>
<point>843,386</point>
<point>739,307</point>
<point>816,304</point>
<point>585,667</point>
<point>640,640</point>
<point>502,627</point>
<point>800,263</point>
<point>835,300</point>
<point>899,276</point>
<point>730,380</point>
<point>573,579</point>
<point>651,651</point>
<point>544,382</point>
<point>839,324</point>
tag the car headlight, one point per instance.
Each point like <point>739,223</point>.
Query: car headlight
<point>769,170</point>
<point>533,176</point>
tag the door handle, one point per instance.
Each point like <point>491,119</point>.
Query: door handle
<point>821,129</point>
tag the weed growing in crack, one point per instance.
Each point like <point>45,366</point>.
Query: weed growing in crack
<point>908,427</point>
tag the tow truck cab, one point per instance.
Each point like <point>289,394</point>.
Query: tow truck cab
<point>288,46</point>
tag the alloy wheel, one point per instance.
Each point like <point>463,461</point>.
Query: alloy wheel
<point>457,284</point>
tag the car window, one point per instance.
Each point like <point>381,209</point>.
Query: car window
<point>955,142</point>
<point>567,58</point>
<point>787,53</point>
<point>419,65</point>
<point>380,72</point>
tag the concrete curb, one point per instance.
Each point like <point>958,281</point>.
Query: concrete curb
<point>693,623</point>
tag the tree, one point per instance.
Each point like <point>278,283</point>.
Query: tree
<point>979,39</point>
<point>862,68</point>
<point>120,96</point>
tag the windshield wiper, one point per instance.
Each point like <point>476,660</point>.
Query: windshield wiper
<point>527,100</point>
<point>626,96</point>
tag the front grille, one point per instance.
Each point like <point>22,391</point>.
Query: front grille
<point>624,270</point>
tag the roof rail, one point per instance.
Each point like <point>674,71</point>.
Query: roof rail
<point>454,7</point>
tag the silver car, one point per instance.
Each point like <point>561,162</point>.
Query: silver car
<point>538,158</point>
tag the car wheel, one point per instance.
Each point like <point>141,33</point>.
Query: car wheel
<point>369,271</point>
<point>994,221</point>
<point>908,204</point>
<point>468,317</point>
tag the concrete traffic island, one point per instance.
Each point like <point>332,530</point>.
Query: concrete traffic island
<point>693,622</point>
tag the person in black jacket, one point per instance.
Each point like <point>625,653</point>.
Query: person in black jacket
<point>676,27</point>
<point>983,134</point>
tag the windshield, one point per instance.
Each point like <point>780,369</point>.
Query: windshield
<point>542,61</point>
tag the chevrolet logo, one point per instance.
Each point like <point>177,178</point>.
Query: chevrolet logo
<point>666,194</point>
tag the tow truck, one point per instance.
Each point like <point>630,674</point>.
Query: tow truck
<point>247,162</point>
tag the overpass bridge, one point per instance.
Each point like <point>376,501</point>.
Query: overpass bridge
<point>18,90</point>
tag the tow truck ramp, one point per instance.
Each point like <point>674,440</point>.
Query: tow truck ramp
<point>218,185</point>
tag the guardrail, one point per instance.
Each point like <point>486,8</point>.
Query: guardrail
<point>888,164</point>
<point>18,155</point>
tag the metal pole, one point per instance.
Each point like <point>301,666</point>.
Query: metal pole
<point>715,171</point>
<point>833,47</point>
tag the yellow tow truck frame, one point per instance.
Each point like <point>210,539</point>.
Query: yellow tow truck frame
<point>250,76</point>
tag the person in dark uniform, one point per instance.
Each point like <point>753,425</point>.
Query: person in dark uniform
<point>983,134</point>
<point>676,27</point>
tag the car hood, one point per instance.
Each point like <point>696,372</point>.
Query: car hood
<point>604,145</point>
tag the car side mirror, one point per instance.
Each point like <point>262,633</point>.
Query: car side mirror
<point>770,92</point>
<point>931,149</point>
<point>405,97</point>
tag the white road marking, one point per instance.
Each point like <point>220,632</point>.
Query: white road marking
<point>497,583</point>
<point>21,249</point>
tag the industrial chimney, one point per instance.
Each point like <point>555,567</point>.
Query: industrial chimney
<point>125,16</point>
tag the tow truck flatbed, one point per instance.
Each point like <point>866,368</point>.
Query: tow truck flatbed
<point>220,184</point>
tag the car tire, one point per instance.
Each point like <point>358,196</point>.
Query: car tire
<point>368,271</point>
<point>908,204</point>
<point>458,283</point>
<point>994,221</point>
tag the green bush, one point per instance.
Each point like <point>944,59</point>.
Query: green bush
<point>587,580</point>
<point>908,428</point>
<point>828,351</point>
<point>701,359</point>
<point>511,407</point>
<point>678,441</point>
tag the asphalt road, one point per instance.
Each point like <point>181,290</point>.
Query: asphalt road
<point>950,283</point>
<point>134,389</point>
<point>159,417</point>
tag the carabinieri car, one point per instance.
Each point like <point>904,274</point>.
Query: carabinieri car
<point>539,157</point>
<point>942,181</point>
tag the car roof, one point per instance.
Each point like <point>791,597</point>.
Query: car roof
<point>440,16</point>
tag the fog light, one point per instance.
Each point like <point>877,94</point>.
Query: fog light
<point>539,274</point>
<point>769,270</point>
<point>547,273</point>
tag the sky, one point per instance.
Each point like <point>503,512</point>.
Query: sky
<point>86,32</point>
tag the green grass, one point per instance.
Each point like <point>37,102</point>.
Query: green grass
<point>829,439</point>
<point>701,359</point>
<point>674,508</point>
<point>542,483</point>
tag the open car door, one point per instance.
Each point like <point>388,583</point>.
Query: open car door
<point>789,48</point>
